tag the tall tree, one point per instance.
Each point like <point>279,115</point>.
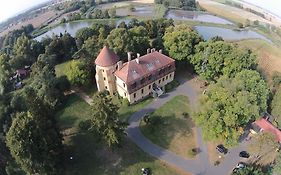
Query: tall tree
<point>34,139</point>
<point>216,58</point>
<point>276,106</point>
<point>105,120</point>
<point>230,104</point>
<point>78,73</point>
<point>264,147</point>
<point>5,73</point>
<point>180,41</point>
<point>120,41</point>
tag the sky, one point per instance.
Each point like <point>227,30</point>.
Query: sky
<point>9,8</point>
<point>271,5</point>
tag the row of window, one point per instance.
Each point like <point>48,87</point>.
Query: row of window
<point>149,86</point>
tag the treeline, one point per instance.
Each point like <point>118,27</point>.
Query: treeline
<point>183,4</point>
<point>238,5</point>
<point>32,108</point>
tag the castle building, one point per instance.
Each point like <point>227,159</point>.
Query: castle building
<point>136,79</point>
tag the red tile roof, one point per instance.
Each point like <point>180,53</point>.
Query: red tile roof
<point>149,63</point>
<point>268,127</point>
<point>106,57</point>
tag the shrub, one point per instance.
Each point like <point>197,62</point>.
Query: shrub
<point>172,85</point>
<point>85,125</point>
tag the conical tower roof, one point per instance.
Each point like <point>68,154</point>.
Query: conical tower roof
<point>106,57</point>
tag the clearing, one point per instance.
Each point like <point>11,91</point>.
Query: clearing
<point>172,128</point>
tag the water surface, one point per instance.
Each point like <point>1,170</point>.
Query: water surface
<point>229,34</point>
<point>195,16</point>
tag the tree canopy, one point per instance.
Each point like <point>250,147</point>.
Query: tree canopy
<point>276,106</point>
<point>216,58</point>
<point>230,104</point>
<point>180,41</point>
<point>78,73</point>
<point>105,120</point>
<point>34,139</point>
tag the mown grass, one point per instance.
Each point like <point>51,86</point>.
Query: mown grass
<point>91,157</point>
<point>173,129</point>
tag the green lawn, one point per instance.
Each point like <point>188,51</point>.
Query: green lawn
<point>90,157</point>
<point>126,111</point>
<point>73,111</point>
<point>173,130</point>
<point>60,68</point>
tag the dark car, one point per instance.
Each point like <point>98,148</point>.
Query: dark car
<point>244,154</point>
<point>222,149</point>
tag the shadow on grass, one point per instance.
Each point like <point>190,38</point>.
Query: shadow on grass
<point>74,110</point>
<point>90,157</point>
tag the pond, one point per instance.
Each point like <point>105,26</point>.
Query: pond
<point>229,34</point>
<point>140,11</point>
<point>196,16</point>
<point>73,27</point>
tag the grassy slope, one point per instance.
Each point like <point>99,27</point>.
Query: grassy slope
<point>174,132</point>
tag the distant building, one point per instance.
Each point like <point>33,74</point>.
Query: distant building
<point>136,79</point>
<point>264,125</point>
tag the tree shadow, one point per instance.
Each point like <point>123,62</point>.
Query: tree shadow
<point>89,156</point>
<point>172,133</point>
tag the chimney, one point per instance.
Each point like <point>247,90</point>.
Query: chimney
<point>119,65</point>
<point>153,50</point>
<point>160,51</point>
<point>148,51</point>
<point>129,56</point>
<point>138,55</point>
<point>137,60</point>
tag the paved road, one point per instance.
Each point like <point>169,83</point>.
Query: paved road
<point>198,166</point>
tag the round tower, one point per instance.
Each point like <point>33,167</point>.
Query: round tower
<point>106,65</point>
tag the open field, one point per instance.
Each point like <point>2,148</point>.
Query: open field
<point>91,157</point>
<point>269,56</point>
<point>232,13</point>
<point>173,130</point>
<point>36,21</point>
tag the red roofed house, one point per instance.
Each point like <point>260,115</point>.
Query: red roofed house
<point>135,79</point>
<point>263,125</point>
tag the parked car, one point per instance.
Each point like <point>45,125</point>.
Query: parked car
<point>222,149</point>
<point>239,166</point>
<point>244,154</point>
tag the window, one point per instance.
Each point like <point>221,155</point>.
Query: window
<point>134,85</point>
<point>170,75</point>
<point>163,78</point>
<point>103,70</point>
<point>124,85</point>
<point>105,87</point>
<point>142,91</point>
<point>159,81</point>
<point>167,77</point>
<point>134,95</point>
<point>142,81</point>
<point>125,94</point>
<point>149,87</point>
<point>149,77</point>
<point>104,78</point>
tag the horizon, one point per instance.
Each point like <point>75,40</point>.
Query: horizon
<point>17,6</point>
<point>20,6</point>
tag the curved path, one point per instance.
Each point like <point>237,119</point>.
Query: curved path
<point>198,166</point>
